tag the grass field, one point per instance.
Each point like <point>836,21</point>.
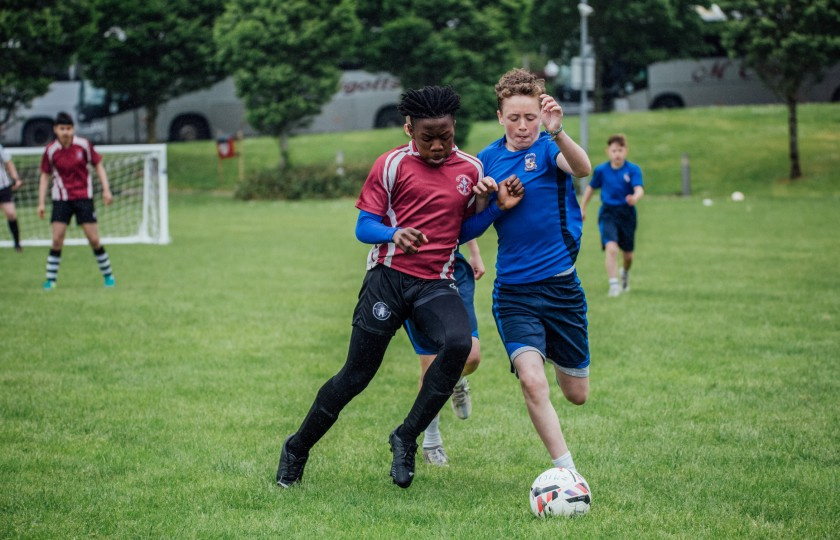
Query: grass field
<point>157,409</point>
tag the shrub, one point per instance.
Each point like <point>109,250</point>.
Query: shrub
<point>308,182</point>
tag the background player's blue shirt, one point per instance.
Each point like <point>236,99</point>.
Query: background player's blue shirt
<point>540,236</point>
<point>616,184</point>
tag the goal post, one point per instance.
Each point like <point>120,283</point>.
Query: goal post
<point>139,213</point>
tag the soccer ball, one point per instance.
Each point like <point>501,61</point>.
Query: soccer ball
<point>737,196</point>
<point>560,492</point>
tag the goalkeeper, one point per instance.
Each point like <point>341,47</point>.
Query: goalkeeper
<point>66,160</point>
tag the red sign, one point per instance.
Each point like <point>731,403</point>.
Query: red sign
<point>226,148</point>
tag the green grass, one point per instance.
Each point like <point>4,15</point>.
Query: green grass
<point>730,148</point>
<point>157,409</point>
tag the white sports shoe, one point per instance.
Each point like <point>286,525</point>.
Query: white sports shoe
<point>435,456</point>
<point>615,290</point>
<point>461,400</point>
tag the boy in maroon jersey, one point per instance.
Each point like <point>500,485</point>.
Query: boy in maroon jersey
<point>66,159</point>
<point>411,209</point>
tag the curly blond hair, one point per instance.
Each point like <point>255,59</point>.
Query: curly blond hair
<point>518,82</point>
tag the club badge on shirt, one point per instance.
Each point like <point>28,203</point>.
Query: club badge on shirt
<point>462,184</point>
<point>530,162</point>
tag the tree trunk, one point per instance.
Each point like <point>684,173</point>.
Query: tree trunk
<point>284,151</point>
<point>151,123</point>
<point>795,171</point>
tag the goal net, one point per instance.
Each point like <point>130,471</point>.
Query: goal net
<point>138,213</point>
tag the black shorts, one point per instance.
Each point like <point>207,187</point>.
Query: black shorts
<point>7,195</point>
<point>618,224</point>
<point>83,209</point>
<point>389,297</point>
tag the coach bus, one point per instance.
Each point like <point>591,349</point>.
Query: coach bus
<point>364,101</point>
<point>718,81</point>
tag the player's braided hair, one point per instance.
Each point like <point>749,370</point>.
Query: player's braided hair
<point>519,82</point>
<point>429,102</point>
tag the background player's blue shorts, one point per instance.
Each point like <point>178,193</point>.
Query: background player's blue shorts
<point>549,317</point>
<point>465,279</point>
<point>618,224</point>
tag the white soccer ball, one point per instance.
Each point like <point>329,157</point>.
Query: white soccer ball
<point>708,202</point>
<point>737,196</point>
<point>560,492</point>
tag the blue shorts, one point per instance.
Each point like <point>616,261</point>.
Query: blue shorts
<point>465,279</point>
<point>618,224</point>
<point>548,317</point>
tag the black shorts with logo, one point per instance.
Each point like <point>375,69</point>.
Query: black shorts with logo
<point>7,195</point>
<point>83,209</point>
<point>389,297</point>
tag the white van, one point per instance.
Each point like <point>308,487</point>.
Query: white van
<point>717,81</point>
<point>364,101</point>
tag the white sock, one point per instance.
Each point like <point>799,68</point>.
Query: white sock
<point>613,281</point>
<point>431,437</point>
<point>565,461</point>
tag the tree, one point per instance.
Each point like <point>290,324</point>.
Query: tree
<point>463,43</point>
<point>627,36</point>
<point>285,55</point>
<point>150,52</point>
<point>789,43</point>
<point>37,37</point>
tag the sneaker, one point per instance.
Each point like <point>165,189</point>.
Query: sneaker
<point>50,284</point>
<point>402,466</point>
<point>615,290</point>
<point>435,455</point>
<point>625,280</point>
<point>110,281</point>
<point>290,469</point>
<point>18,248</point>
<point>461,400</point>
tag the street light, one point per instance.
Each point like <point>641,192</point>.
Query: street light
<point>585,11</point>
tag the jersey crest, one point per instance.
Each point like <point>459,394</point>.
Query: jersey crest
<point>531,162</point>
<point>462,184</point>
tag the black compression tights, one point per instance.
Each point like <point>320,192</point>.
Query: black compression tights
<point>442,319</point>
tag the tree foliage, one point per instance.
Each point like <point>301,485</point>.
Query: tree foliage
<point>789,43</point>
<point>152,51</point>
<point>626,36</point>
<point>467,44</point>
<point>37,37</point>
<point>284,55</point>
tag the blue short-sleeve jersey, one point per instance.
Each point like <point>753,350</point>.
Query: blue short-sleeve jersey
<point>539,237</point>
<point>616,184</point>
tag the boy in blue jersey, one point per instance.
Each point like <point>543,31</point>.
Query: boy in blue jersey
<point>620,182</point>
<point>538,302</point>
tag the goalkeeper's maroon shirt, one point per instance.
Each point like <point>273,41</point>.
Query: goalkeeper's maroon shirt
<point>407,192</point>
<point>69,169</point>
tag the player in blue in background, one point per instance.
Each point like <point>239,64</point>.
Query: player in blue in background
<point>620,182</point>
<point>538,302</point>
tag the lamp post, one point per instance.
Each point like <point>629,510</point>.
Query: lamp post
<point>585,11</point>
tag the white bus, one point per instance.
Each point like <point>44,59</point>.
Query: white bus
<point>717,81</point>
<point>364,101</point>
